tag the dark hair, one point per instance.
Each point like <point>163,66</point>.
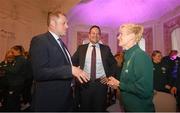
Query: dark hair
<point>55,13</point>
<point>173,52</point>
<point>27,55</point>
<point>95,26</point>
<point>155,52</point>
<point>19,48</point>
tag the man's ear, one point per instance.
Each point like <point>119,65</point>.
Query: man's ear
<point>53,22</point>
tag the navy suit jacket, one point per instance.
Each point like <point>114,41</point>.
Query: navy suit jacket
<point>52,74</point>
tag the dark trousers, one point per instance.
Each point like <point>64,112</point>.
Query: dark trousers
<point>26,94</point>
<point>12,99</point>
<point>93,97</point>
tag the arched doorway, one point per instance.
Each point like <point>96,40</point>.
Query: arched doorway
<point>175,39</point>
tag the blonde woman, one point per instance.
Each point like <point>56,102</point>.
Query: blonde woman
<point>136,80</point>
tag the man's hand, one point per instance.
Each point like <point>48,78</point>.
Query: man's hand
<point>80,74</point>
<point>104,80</point>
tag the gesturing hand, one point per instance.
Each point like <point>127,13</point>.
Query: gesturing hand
<point>80,74</point>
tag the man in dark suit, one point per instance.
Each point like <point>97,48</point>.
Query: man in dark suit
<point>92,95</point>
<point>52,67</point>
<point>173,62</point>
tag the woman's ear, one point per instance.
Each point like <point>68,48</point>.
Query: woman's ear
<point>133,37</point>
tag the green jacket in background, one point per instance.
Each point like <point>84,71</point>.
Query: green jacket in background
<point>136,81</point>
<point>15,72</point>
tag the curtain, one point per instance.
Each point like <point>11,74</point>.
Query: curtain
<point>175,37</point>
<point>142,44</point>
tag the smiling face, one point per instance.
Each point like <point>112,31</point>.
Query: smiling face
<point>157,58</point>
<point>94,35</point>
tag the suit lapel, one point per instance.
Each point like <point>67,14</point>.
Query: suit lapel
<point>102,53</point>
<point>54,42</point>
<point>83,55</point>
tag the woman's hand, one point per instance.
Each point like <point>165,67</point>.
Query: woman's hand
<point>173,90</point>
<point>113,83</point>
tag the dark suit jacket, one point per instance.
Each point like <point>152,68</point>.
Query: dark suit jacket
<point>109,64</point>
<point>108,60</point>
<point>52,74</point>
<point>178,79</point>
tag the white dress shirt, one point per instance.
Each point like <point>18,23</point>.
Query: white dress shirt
<point>99,65</point>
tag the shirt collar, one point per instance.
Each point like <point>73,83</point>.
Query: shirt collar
<point>130,50</point>
<point>54,35</point>
<point>97,44</point>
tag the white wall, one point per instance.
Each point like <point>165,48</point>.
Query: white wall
<point>19,21</point>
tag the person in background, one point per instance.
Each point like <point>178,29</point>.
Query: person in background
<point>52,67</point>
<point>15,73</point>
<point>161,73</point>
<point>178,90</point>
<point>97,60</point>
<point>162,86</point>
<point>119,59</point>
<point>26,95</point>
<point>9,60</point>
<point>173,61</point>
<point>136,80</point>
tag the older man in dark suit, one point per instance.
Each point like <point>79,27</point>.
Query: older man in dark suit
<point>52,67</point>
<point>97,60</point>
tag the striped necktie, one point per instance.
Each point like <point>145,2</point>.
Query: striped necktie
<point>93,63</point>
<point>64,49</point>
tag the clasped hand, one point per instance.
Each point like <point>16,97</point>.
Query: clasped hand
<point>111,82</point>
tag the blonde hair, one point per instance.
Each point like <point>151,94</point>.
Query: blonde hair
<point>54,13</point>
<point>134,28</point>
